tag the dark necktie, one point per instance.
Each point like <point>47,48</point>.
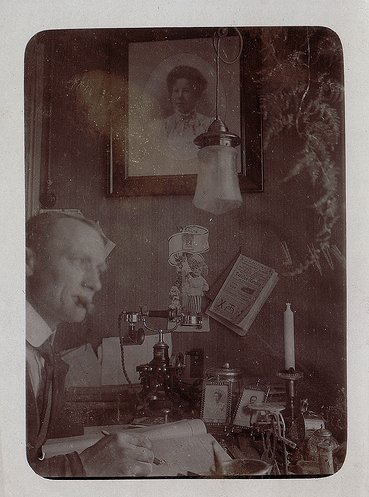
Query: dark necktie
<point>53,369</point>
<point>45,391</point>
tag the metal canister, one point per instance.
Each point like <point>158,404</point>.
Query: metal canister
<point>321,437</point>
<point>325,452</point>
<point>230,376</point>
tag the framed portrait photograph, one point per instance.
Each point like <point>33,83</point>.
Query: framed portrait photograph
<point>170,99</point>
<point>216,403</point>
<point>245,417</point>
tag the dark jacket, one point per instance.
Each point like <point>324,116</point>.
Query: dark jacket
<point>38,429</point>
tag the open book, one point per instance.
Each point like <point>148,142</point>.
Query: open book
<point>240,292</point>
<point>183,446</point>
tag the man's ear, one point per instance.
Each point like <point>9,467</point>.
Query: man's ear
<point>30,261</point>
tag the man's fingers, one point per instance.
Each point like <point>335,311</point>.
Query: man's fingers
<point>138,448</point>
<point>119,454</point>
<point>142,454</point>
<point>142,441</point>
<point>133,439</point>
<point>142,469</point>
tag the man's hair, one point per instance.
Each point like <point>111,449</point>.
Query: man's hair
<point>193,75</point>
<point>39,228</point>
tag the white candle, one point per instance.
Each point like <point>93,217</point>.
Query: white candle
<point>289,338</point>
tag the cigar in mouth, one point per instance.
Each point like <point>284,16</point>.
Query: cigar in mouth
<point>89,306</point>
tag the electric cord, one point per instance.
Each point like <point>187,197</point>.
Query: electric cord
<point>121,343</point>
<point>221,33</point>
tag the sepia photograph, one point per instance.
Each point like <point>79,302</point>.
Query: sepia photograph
<point>232,138</point>
<point>172,101</point>
<point>215,403</point>
<point>184,300</point>
<point>245,416</point>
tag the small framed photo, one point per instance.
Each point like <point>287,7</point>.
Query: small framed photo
<point>245,416</point>
<point>216,403</point>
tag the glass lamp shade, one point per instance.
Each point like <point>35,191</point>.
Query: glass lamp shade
<point>217,188</point>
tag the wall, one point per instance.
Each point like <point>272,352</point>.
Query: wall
<point>285,212</point>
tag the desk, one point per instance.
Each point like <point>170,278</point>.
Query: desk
<point>93,406</point>
<point>105,405</point>
<point>115,405</point>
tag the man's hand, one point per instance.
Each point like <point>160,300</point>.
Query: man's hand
<point>120,454</point>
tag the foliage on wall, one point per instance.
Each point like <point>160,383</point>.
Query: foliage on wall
<point>302,100</point>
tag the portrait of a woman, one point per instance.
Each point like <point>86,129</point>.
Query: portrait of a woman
<point>172,101</point>
<point>185,86</point>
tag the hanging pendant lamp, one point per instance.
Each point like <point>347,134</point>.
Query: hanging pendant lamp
<point>217,187</point>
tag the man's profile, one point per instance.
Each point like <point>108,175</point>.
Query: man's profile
<point>65,258</point>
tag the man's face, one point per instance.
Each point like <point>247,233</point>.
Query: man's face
<point>183,96</point>
<point>65,275</point>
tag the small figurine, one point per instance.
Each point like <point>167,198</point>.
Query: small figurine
<point>195,284</point>
<point>174,295</point>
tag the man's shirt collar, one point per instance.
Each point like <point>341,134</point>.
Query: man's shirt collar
<point>37,330</point>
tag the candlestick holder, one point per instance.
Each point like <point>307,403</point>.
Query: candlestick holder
<point>291,376</point>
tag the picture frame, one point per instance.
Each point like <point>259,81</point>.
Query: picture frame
<point>245,417</point>
<point>137,164</point>
<point>216,403</point>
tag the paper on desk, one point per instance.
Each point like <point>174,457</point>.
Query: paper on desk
<point>56,446</point>
<point>182,446</point>
<point>180,455</point>
<point>176,429</point>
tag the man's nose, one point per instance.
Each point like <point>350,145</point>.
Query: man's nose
<point>92,279</point>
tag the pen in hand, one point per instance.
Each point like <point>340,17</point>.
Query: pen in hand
<point>155,461</point>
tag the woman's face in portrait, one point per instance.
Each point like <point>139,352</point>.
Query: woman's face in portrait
<point>183,97</point>
<point>217,396</point>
